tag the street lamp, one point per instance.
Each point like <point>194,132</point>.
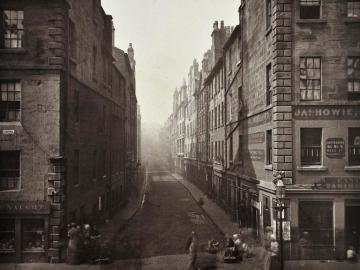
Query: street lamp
<point>279,208</point>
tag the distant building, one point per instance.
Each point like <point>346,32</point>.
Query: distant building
<point>62,114</point>
<point>291,100</point>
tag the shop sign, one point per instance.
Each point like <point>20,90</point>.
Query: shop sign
<point>326,112</point>
<point>338,183</point>
<point>8,132</point>
<point>24,207</point>
<point>335,148</point>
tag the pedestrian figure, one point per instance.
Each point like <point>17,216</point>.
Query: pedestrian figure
<point>304,243</point>
<point>274,251</point>
<point>351,255</point>
<point>192,246</point>
<point>73,249</point>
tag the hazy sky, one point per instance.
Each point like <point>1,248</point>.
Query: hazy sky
<point>166,35</point>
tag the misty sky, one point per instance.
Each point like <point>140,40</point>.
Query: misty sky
<point>166,35</point>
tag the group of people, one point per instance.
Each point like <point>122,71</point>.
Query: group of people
<point>83,245</point>
<point>235,249</point>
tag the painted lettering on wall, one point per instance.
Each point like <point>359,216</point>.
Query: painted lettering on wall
<point>258,137</point>
<point>326,112</point>
<point>338,183</point>
<point>24,207</point>
<point>335,147</point>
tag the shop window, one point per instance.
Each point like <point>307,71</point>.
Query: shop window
<point>310,78</point>
<point>353,72</point>
<point>316,219</point>
<point>33,236</point>
<point>353,8</point>
<point>268,85</point>
<point>7,235</point>
<point>354,146</point>
<point>310,146</point>
<point>12,29</point>
<point>310,9</point>
<point>268,13</point>
<point>9,170</point>
<point>10,97</point>
<point>269,147</point>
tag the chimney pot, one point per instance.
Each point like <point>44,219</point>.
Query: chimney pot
<point>222,24</point>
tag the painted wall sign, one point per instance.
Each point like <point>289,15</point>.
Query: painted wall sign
<point>335,147</point>
<point>254,138</point>
<point>338,183</point>
<point>8,132</point>
<point>256,154</point>
<point>326,112</point>
<point>259,119</point>
<point>24,207</point>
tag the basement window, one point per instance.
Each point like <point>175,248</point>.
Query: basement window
<point>310,9</point>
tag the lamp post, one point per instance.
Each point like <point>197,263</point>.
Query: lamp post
<point>280,207</point>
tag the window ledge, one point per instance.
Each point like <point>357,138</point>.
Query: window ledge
<point>311,21</point>
<point>268,30</point>
<point>13,50</point>
<point>268,167</point>
<point>354,168</point>
<point>12,123</point>
<point>352,20</point>
<point>312,168</point>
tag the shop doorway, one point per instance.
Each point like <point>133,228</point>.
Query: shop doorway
<point>352,223</point>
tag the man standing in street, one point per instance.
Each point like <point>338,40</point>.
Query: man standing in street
<point>192,246</point>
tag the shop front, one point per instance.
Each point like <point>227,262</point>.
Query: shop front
<point>325,221</point>
<point>24,231</point>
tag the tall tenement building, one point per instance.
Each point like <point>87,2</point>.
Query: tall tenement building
<point>63,108</point>
<point>292,103</point>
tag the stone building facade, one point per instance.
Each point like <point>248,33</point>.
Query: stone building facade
<point>292,104</point>
<point>62,117</point>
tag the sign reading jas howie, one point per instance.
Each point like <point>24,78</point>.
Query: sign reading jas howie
<point>327,112</point>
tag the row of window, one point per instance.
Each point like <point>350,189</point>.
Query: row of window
<point>311,79</point>
<point>217,117</point>
<point>311,147</point>
<point>311,9</point>
<point>217,151</point>
<point>10,167</point>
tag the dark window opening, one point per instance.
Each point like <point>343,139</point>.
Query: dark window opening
<point>310,9</point>
<point>354,146</point>
<point>10,98</point>
<point>268,13</point>
<point>9,170</point>
<point>311,146</point>
<point>269,147</point>
<point>268,85</point>
<point>353,72</point>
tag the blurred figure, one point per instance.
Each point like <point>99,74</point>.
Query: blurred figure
<point>192,245</point>
<point>351,255</point>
